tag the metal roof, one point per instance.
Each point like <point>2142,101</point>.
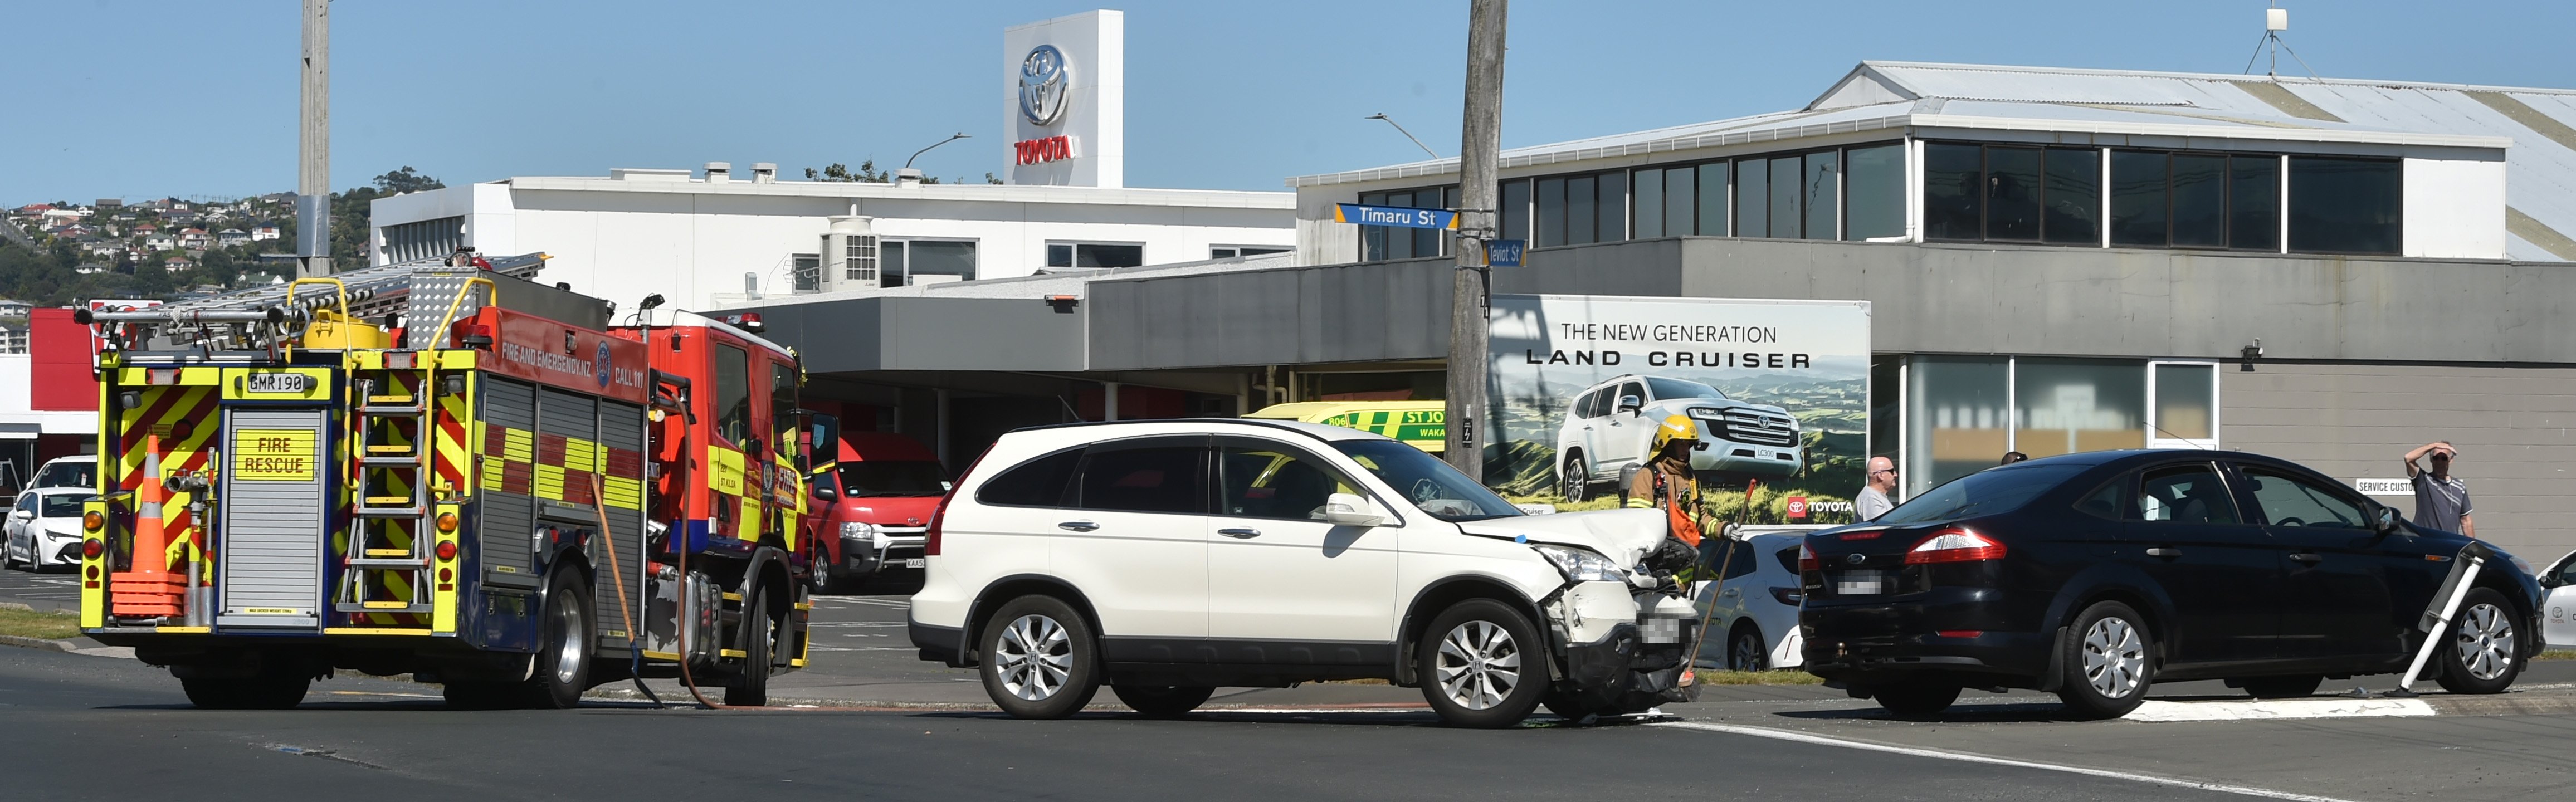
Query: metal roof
<point>2534,129</point>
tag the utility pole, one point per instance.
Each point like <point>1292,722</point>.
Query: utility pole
<point>313,171</point>
<point>1479,150</point>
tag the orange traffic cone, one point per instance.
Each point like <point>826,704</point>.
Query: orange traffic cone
<point>150,589</point>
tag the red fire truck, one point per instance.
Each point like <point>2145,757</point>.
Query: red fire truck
<point>448,472</point>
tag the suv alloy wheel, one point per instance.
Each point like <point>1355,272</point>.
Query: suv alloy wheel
<point>1481,665</point>
<point>1039,659</point>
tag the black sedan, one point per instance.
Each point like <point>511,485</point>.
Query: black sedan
<point>2095,575</point>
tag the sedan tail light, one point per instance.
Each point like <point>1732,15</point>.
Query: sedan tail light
<point>1955,545</point>
<point>1807,558</point>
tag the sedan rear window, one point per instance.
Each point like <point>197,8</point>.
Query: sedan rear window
<point>1987,492</point>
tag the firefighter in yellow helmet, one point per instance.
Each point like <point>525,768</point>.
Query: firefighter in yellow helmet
<point>1665,482</point>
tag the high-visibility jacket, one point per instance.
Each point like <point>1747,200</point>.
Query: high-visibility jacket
<point>1681,506</point>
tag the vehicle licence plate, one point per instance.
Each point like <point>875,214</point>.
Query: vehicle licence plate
<point>1861,582</point>
<point>279,383</point>
<point>916,562</point>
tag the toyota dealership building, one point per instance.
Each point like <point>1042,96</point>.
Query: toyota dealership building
<point>2329,271</point>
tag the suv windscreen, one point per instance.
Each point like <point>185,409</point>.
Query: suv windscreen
<point>1430,484</point>
<point>881,479</point>
<point>1987,492</point>
<point>1666,389</point>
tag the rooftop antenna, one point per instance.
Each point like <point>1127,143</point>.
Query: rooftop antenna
<point>2275,20</point>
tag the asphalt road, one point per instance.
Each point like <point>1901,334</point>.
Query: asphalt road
<point>64,713</point>
<point>89,727</point>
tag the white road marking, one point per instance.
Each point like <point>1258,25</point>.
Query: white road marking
<point>2154,710</point>
<point>1822,740</point>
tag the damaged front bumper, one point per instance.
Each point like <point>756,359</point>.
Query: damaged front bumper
<point>1621,648</point>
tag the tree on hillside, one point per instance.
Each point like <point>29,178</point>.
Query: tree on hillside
<point>353,210</point>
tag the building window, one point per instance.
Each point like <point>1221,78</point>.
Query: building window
<point>2071,194</point>
<point>2184,412</point>
<point>1850,193</point>
<point>2003,193</point>
<point>2343,205</point>
<point>808,268</point>
<point>1516,210</point>
<point>1232,251</point>
<point>1961,414</point>
<point>1874,192</point>
<point>1093,254</point>
<point>1714,178</point>
<point>926,261</point>
<point>2254,203</point>
<point>1752,197</point>
<point>1380,243</point>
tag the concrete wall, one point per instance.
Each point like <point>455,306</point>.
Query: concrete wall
<point>1926,299</point>
<point>2354,421</point>
<point>929,334</point>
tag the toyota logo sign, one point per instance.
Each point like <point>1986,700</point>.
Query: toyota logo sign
<point>1042,85</point>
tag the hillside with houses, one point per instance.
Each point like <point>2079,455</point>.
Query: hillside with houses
<point>61,252</point>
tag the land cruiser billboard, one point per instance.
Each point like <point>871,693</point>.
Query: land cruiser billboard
<point>1779,391</point>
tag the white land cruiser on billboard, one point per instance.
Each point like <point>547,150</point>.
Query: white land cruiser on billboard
<point>1168,558</point>
<point>1610,425</point>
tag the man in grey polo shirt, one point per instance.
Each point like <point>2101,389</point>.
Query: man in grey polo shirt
<point>2441,500</point>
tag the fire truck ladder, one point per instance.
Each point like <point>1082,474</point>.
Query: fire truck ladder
<point>387,560</point>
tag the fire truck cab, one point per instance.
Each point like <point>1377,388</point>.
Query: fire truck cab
<point>448,472</point>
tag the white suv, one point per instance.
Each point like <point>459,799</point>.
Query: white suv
<point>1610,426</point>
<point>1167,558</point>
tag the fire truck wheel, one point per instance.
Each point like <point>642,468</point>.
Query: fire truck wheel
<point>563,658</point>
<point>1039,658</point>
<point>751,687</point>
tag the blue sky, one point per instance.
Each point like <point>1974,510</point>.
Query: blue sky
<point>141,98</point>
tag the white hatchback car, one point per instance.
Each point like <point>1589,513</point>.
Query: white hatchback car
<point>2558,604</point>
<point>1756,605</point>
<point>44,528</point>
<point>1167,558</point>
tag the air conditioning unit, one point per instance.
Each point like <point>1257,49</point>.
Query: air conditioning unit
<point>849,254</point>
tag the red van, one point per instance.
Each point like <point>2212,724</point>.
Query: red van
<point>880,500</point>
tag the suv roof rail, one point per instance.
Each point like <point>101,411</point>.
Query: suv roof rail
<point>1281,425</point>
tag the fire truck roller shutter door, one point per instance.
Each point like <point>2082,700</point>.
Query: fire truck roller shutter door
<point>507,439</point>
<point>272,551</point>
<point>621,439</point>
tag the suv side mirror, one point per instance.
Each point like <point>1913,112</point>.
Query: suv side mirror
<point>1632,405</point>
<point>1347,509</point>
